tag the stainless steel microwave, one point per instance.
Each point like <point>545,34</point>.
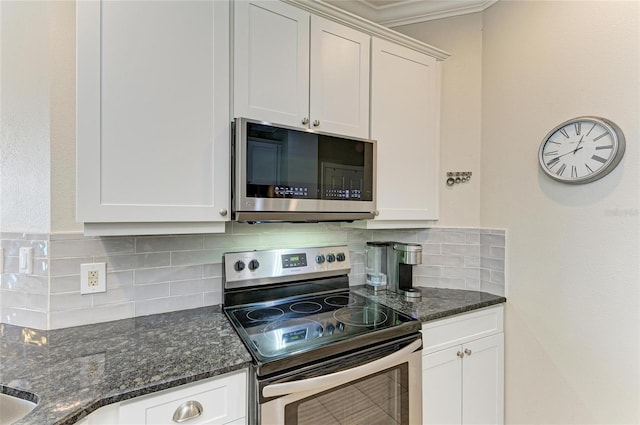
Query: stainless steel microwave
<point>282,173</point>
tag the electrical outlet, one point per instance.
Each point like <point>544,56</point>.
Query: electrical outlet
<point>93,278</point>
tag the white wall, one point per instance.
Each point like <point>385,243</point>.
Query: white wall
<point>573,277</point>
<point>37,112</point>
<point>460,116</point>
<point>573,312</point>
<point>63,118</point>
<point>24,117</point>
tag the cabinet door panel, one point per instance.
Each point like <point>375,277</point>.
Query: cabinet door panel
<point>223,400</point>
<point>404,121</point>
<point>483,381</point>
<point>339,86</point>
<point>271,56</point>
<point>442,387</point>
<point>153,111</point>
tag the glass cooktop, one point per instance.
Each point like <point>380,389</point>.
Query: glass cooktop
<point>287,327</point>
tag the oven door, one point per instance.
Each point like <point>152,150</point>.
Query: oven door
<point>376,386</point>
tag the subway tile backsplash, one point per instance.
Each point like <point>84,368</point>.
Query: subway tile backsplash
<point>157,274</point>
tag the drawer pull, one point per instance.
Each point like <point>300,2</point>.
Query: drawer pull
<point>187,410</point>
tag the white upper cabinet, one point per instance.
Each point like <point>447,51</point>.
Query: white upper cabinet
<point>405,98</point>
<point>300,70</point>
<point>339,101</point>
<point>153,116</point>
<point>271,62</point>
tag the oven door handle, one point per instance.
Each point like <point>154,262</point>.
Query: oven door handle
<point>342,377</point>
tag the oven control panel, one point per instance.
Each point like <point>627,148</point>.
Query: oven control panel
<point>270,266</point>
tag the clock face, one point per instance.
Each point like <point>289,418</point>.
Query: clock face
<point>581,150</point>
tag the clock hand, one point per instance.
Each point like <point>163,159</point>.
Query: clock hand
<point>578,145</point>
<point>570,152</point>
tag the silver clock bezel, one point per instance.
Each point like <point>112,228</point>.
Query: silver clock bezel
<point>619,145</point>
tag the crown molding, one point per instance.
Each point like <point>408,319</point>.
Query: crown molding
<point>326,10</point>
<point>421,11</point>
<point>411,11</point>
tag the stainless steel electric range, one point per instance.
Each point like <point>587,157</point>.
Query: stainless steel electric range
<point>322,354</point>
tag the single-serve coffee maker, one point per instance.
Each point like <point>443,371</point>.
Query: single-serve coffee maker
<point>389,266</point>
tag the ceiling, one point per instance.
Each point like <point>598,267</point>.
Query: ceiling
<point>393,13</point>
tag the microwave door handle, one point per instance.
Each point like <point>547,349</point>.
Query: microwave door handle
<point>338,378</point>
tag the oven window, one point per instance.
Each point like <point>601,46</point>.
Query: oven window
<point>380,399</point>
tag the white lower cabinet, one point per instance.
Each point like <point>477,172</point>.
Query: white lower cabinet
<point>220,400</point>
<point>463,369</point>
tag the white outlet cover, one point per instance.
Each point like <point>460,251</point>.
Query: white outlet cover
<point>101,268</point>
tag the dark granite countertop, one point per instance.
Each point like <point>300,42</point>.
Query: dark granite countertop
<point>73,371</point>
<point>436,303</point>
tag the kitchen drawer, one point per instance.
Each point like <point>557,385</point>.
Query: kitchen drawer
<point>441,334</point>
<point>223,401</point>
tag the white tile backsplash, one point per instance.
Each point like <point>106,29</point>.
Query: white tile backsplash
<point>156,274</point>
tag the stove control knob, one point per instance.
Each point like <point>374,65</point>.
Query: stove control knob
<point>319,258</point>
<point>331,258</point>
<point>253,264</point>
<point>238,266</point>
<point>319,330</point>
<point>340,326</point>
<point>330,329</point>
<point>340,256</point>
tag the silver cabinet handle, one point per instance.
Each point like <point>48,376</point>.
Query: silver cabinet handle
<point>187,410</point>
<point>338,378</point>
<point>223,212</point>
<point>316,123</point>
<point>467,351</point>
<point>305,121</point>
<point>460,354</point>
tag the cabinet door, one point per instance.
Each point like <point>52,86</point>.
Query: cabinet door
<point>404,121</point>
<point>271,62</point>
<point>442,387</point>
<point>152,111</point>
<point>483,381</point>
<point>222,400</point>
<point>339,86</point>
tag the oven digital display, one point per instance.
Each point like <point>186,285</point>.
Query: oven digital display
<point>294,336</point>
<point>294,260</point>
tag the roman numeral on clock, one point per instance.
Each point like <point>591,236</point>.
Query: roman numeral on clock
<point>598,158</point>
<point>574,171</point>
<point>600,137</point>
<point>553,162</point>
<point>561,169</point>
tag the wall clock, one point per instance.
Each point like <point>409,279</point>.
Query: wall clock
<point>581,150</point>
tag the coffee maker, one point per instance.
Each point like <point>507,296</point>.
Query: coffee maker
<point>390,266</point>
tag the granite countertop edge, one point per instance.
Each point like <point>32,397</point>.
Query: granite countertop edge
<point>72,372</point>
<point>129,394</point>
